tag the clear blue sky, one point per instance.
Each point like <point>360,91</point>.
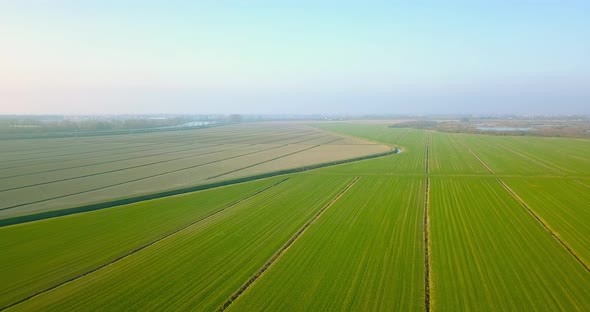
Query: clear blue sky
<point>494,56</point>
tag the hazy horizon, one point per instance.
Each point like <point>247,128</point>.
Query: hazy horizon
<point>339,57</point>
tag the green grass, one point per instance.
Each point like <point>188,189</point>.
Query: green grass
<point>569,156</point>
<point>200,267</point>
<point>502,156</point>
<point>489,254</point>
<point>366,252</point>
<point>449,156</point>
<point>563,204</point>
<point>363,254</point>
<point>41,254</point>
<point>410,161</point>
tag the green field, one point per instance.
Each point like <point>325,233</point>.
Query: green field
<point>41,254</point>
<point>355,236</point>
<point>455,222</point>
<point>203,264</point>
<point>483,241</point>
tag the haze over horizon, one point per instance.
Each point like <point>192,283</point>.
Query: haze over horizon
<point>295,57</point>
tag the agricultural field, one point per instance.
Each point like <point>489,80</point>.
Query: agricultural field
<point>43,175</point>
<point>563,205</point>
<point>41,254</point>
<point>203,264</point>
<point>483,241</point>
<point>355,236</point>
<point>452,222</point>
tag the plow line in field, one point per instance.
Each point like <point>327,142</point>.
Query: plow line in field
<point>582,183</point>
<point>150,147</point>
<point>542,222</point>
<point>269,160</point>
<point>76,153</point>
<point>283,138</point>
<point>286,246</point>
<point>481,162</point>
<point>140,248</point>
<point>552,167</point>
<point>140,179</point>
<point>110,161</point>
<point>123,169</point>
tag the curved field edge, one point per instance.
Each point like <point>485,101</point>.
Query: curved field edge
<point>352,134</point>
<point>200,187</point>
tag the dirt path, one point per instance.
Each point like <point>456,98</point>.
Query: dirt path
<point>427,247</point>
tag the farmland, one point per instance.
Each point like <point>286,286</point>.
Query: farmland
<point>43,175</point>
<point>453,222</point>
<point>477,229</point>
<point>356,236</point>
<point>85,241</point>
<point>211,259</point>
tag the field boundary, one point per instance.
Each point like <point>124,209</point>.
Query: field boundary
<point>142,247</point>
<point>212,142</point>
<point>276,158</point>
<point>427,270</point>
<point>582,183</point>
<point>348,136</point>
<point>58,135</point>
<point>306,133</point>
<point>76,153</point>
<point>286,246</point>
<point>150,196</point>
<point>481,162</point>
<point>552,167</point>
<point>141,179</point>
<point>427,159</point>
<point>544,224</point>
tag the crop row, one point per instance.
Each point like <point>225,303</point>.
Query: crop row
<point>410,160</point>
<point>469,154</point>
<point>201,266</point>
<point>489,253</point>
<point>364,254</point>
<point>449,156</point>
<point>563,205</point>
<point>39,255</point>
<point>84,149</point>
<point>123,183</point>
<point>48,187</point>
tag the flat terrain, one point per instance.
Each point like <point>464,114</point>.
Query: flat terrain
<point>454,222</point>
<point>39,175</point>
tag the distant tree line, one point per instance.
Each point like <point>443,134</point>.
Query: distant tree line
<point>69,125</point>
<point>565,127</point>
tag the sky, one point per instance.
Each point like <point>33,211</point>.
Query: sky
<point>294,57</point>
